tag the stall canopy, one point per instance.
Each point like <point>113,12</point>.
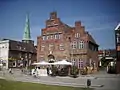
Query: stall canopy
<point>63,62</point>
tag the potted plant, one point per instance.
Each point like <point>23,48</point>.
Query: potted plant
<point>74,71</point>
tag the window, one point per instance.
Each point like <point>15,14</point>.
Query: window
<point>51,47</point>
<point>59,36</point>
<point>47,37</point>
<point>61,47</point>
<point>81,45</point>
<point>20,55</point>
<point>30,55</point>
<point>73,61</point>
<point>43,37</point>
<point>77,35</point>
<point>42,48</point>
<point>20,47</point>
<point>55,36</point>
<point>51,37</point>
<point>74,45</point>
<point>80,63</point>
<point>118,38</point>
<point>26,55</point>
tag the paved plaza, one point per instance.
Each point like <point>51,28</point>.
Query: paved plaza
<point>100,81</point>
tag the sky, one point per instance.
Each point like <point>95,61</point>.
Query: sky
<point>100,17</point>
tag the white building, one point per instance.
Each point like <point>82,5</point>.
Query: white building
<point>4,52</point>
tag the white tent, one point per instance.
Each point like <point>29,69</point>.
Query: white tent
<point>42,63</point>
<point>63,62</point>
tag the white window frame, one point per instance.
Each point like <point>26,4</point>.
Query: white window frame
<point>81,45</point>
<point>74,45</point>
<point>55,36</point>
<point>77,35</point>
<point>43,37</point>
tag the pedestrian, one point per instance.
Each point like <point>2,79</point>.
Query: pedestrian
<point>35,72</point>
<point>10,70</point>
<point>47,70</point>
<point>88,83</point>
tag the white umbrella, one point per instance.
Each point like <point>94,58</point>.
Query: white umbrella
<point>42,63</point>
<point>63,62</point>
<point>1,64</point>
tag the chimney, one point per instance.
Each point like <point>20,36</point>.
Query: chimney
<point>53,15</point>
<point>78,24</point>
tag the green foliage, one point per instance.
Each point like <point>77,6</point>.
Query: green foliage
<point>104,62</point>
<point>74,70</point>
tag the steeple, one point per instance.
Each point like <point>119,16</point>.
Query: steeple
<point>26,35</point>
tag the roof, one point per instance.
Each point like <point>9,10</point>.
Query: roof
<point>22,46</point>
<point>118,27</point>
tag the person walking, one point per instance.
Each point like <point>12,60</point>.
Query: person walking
<point>10,71</point>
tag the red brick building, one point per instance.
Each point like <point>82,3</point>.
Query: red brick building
<point>117,42</point>
<point>59,41</point>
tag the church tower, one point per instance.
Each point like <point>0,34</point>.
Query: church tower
<point>27,36</point>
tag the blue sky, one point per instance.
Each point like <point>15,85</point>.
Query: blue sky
<point>99,17</point>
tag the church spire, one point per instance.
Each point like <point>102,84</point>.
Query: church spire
<point>26,36</point>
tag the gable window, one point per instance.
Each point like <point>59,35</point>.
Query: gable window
<point>77,35</point>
